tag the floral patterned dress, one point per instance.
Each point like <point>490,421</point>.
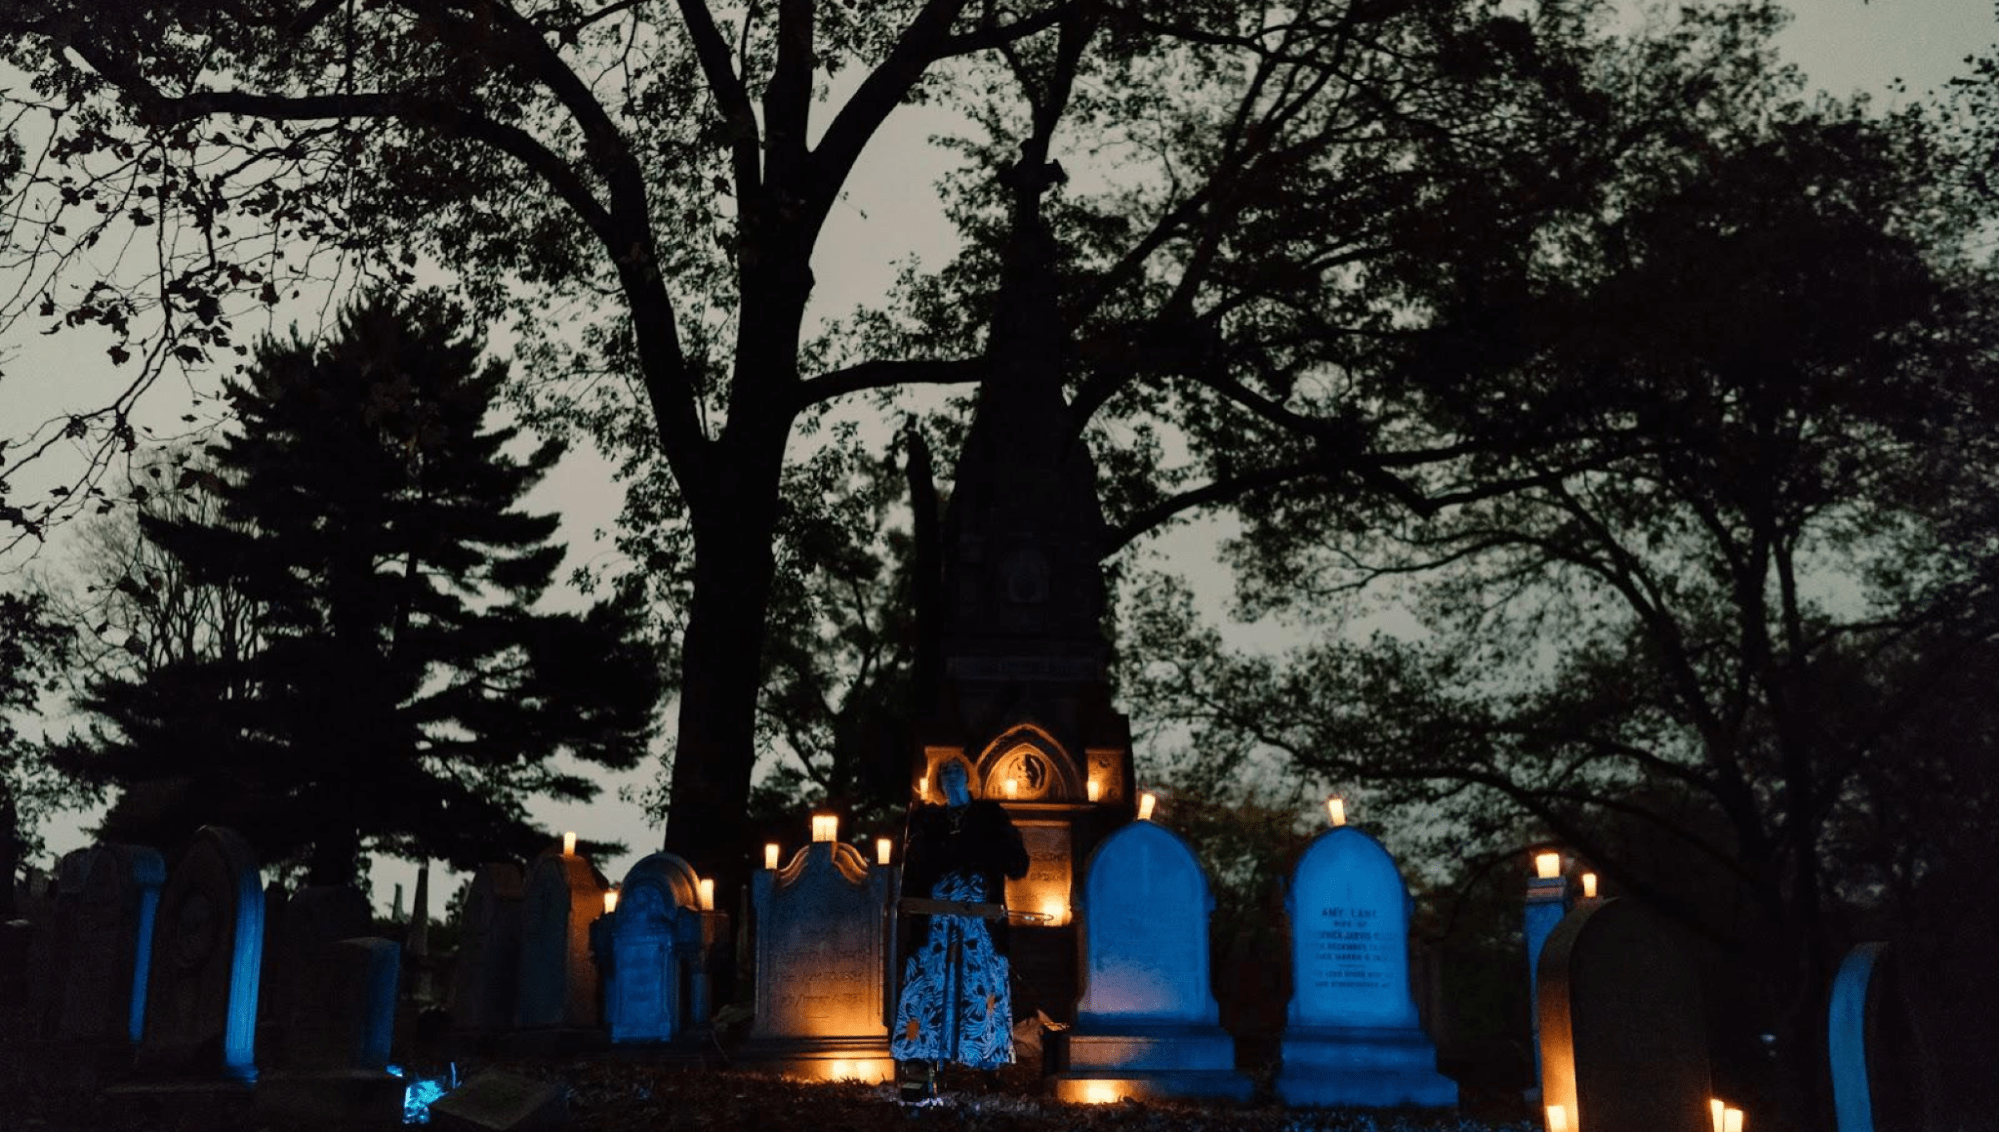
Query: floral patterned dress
<point>954,1005</point>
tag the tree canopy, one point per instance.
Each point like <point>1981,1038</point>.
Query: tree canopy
<point>401,691</point>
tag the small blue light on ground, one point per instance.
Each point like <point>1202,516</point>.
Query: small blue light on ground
<point>422,1092</point>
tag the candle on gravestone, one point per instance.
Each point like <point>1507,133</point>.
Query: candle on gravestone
<point>568,843</point>
<point>1589,885</point>
<point>1053,911</point>
<point>1731,1120</point>
<point>1336,810</point>
<point>1558,1119</point>
<point>884,851</point>
<point>1095,790</point>
<point>707,894</point>
<point>610,900</point>
<point>770,855</point>
<point>1146,802</point>
<point>1718,1110</point>
<point>825,827</point>
<point>1013,788</point>
<point>1548,865</point>
<point>923,787</point>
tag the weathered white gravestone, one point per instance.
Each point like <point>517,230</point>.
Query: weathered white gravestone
<point>821,995</point>
<point>656,941</point>
<point>485,979</point>
<point>1352,1036</point>
<point>104,994</point>
<point>558,974</point>
<point>1146,1023</point>
<point>208,942</point>
<point>1623,1041</point>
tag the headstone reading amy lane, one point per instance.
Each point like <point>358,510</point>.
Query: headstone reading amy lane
<point>821,957</point>
<point>485,979</point>
<point>1353,1036</point>
<point>1623,1041</point>
<point>655,935</point>
<point>208,943</point>
<point>1146,1023</point>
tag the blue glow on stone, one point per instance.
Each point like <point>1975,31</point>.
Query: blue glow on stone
<point>422,1093</point>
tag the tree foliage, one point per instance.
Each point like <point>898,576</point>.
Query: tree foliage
<point>401,692</point>
<point>35,648</point>
<point>1708,637</point>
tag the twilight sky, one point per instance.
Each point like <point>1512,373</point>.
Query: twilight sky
<point>891,212</point>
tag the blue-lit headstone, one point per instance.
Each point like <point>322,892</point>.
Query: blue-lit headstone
<point>654,936</point>
<point>208,941</point>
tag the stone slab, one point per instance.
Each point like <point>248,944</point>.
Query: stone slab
<point>500,1100</point>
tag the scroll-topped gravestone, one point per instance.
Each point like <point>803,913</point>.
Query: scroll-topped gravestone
<point>208,942</point>
<point>655,937</point>
<point>104,995</point>
<point>558,974</point>
<point>1623,1041</point>
<point>485,981</point>
<point>1352,1036</point>
<point>1146,1022</point>
<point>821,956</point>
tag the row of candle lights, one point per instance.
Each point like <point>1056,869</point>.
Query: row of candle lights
<point>705,885</point>
<point>1548,866</point>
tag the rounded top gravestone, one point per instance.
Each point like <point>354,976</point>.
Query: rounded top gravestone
<point>1349,935</point>
<point>658,883</point>
<point>1145,931</point>
<point>208,943</point>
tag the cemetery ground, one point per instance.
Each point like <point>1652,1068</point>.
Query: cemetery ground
<point>628,1092</point>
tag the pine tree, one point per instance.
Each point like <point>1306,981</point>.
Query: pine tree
<point>405,696</point>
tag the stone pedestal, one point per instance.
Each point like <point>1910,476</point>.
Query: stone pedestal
<point>1353,1037</point>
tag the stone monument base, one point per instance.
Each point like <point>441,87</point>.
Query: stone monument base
<point>1172,1061</point>
<point>1363,1066</point>
<point>823,1060</point>
<point>358,1099</point>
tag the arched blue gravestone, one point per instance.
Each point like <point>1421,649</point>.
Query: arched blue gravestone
<point>1846,1037</point>
<point>208,944</point>
<point>1146,1022</point>
<point>654,935</point>
<point>558,974</point>
<point>1623,1040</point>
<point>1353,1037</point>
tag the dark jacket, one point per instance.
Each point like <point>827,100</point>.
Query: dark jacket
<point>985,843</point>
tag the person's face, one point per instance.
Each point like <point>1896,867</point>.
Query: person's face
<point>956,790</point>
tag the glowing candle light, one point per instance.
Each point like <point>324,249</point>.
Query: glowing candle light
<point>1548,865</point>
<point>1099,1093</point>
<point>568,843</point>
<point>923,787</point>
<point>1054,911</point>
<point>1718,1109</point>
<point>825,827</point>
<point>770,855</point>
<point>1146,802</point>
<point>1589,885</point>
<point>1336,809</point>
<point>1731,1120</point>
<point>1013,788</point>
<point>1095,790</point>
<point>884,851</point>
<point>1558,1119</point>
<point>842,1070</point>
<point>707,894</point>
<point>610,900</point>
